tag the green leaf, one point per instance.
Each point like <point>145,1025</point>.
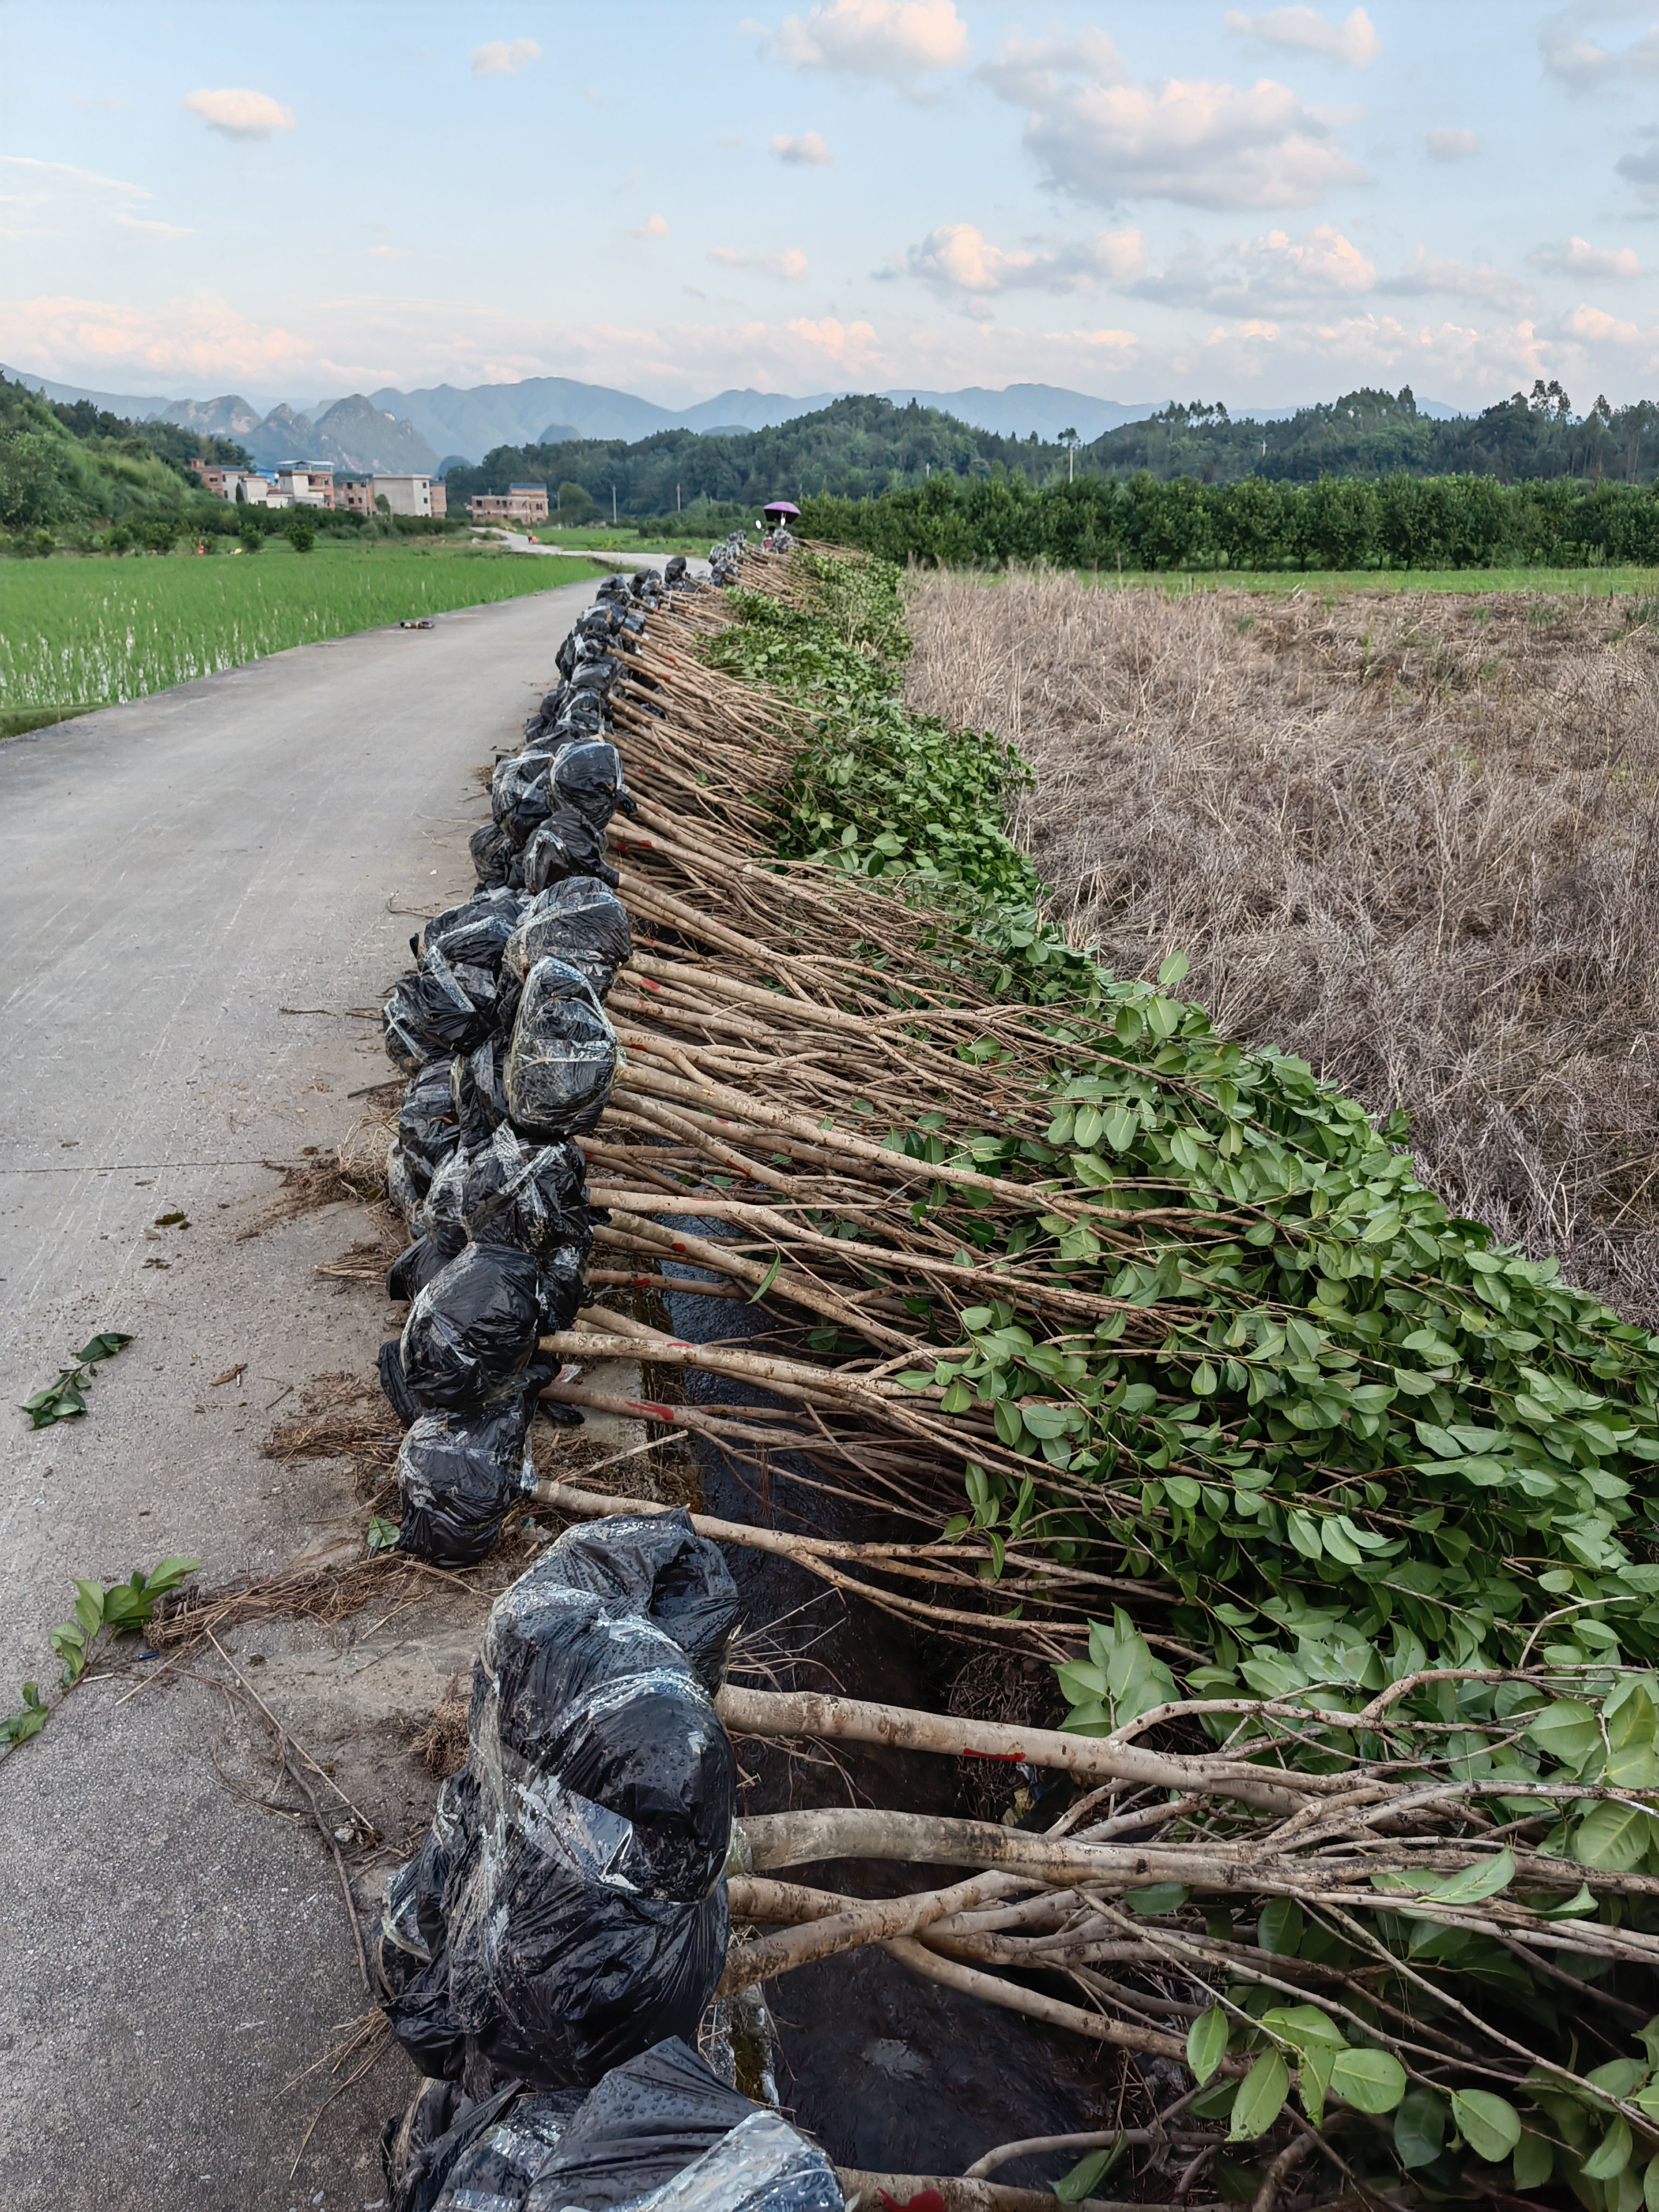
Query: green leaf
<point>1420,2128</point>
<point>1371,2081</point>
<point>104,1346</point>
<point>1160,1898</point>
<point>766,1280</point>
<point>1579,1908</point>
<point>1173,971</point>
<point>1567,1730</point>
<point>1316,2062</point>
<point>1535,2160</point>
<point>1278,1926</point>
<point>1614,1837</point>
<point>1206,2042</point>
<point>1650,2186</point>
<point>1490,2125</point>
<point>1484,1879</point>
<point>1611,2155</point>
<point>1086,2176</point>
<point>1261,2098</point>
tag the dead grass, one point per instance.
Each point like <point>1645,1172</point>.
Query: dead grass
<point>355,1172</point>
<point>1410,838</point>
<point>441,1746</point>
<point>343,1416</point>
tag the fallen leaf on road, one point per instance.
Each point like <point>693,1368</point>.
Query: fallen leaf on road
<point>229,1375</point>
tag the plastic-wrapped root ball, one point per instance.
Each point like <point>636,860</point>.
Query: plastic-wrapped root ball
<point>563,1059</point>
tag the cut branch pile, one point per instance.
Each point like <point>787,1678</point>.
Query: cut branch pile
<point>1339,1515</point>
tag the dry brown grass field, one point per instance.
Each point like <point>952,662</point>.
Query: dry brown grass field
<point>1411,837</point>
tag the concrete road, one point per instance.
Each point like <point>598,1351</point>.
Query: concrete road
<point>196,892</point>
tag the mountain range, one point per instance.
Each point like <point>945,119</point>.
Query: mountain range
<point>391,432</point>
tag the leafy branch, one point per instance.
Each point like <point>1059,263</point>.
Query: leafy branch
<point>102,1611</point>
<point>61,1398</point>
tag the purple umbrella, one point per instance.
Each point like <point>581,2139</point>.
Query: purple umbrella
<point>780,506</point>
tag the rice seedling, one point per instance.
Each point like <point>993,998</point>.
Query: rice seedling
<point>77,633</point>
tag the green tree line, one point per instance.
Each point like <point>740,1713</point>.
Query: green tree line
<point>1141,522</point>
<point>860,449</point>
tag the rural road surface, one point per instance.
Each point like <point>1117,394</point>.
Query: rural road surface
<point>176,876</point>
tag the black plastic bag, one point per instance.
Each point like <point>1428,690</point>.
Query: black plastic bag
<point>520,797</point>
<point>492,854</point>
<point>490,2155</point>
<point>582,714</point>
<point>428,1129</point>
<point>563,1059</point>
<point>437,1008</point>
<point>410,1953</point>
<point>596,675</point>
<point>594,1924</point>
<point>478,1080</point>
<point>405,1184</point>
<point>459,1475</point>
<point>664,2117</point>
<point>606,1785</point>
<point>580,921</point>
<point>472,1328</point>
<point>533,1197</point>
<point>565,845</point>
<point>475,934</point>
<point>394,1381</point>
<point>665,2121</point>
<point>586,773</point>
<point>419,1261</point>
<point>656,1565</point>
<point>561,1293</point>
<point>674,572</point>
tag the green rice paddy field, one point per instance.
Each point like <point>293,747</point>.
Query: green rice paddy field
<point>78,634</point>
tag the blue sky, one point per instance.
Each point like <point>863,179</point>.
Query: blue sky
<point>1260,204</point>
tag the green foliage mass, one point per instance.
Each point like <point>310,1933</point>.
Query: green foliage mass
<point>1366,1432</point>
<point>1141,522</point>
<point>1332,1438</point>
<point>65,464</point>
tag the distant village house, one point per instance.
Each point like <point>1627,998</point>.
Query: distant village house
<point>519,502</point>
<point>304,483</point>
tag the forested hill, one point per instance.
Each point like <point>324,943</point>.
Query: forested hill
<point>859,447</point>
<point>1528,438</point>
<point>69,463</point>
<point>852,449</point>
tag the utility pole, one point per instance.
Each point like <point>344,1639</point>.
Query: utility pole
<point>677,496</point>
<point>613,507</point>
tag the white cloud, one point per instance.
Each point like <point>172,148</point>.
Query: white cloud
<point>238,113</point>
<point>1576,257</point>
<point>1208,144</point>
<point>1426,273</point>
<point>790,263</point>
<point>1581,63</point>
<point>808,149</point>
<point>1452,145</point>
<point>1273,272</point>
<point>654,226</point>
<point>958,258</point>
<point>504,56</point>
<point>1305,31</point>
<point>53,199</point>
<point>894,40</point>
